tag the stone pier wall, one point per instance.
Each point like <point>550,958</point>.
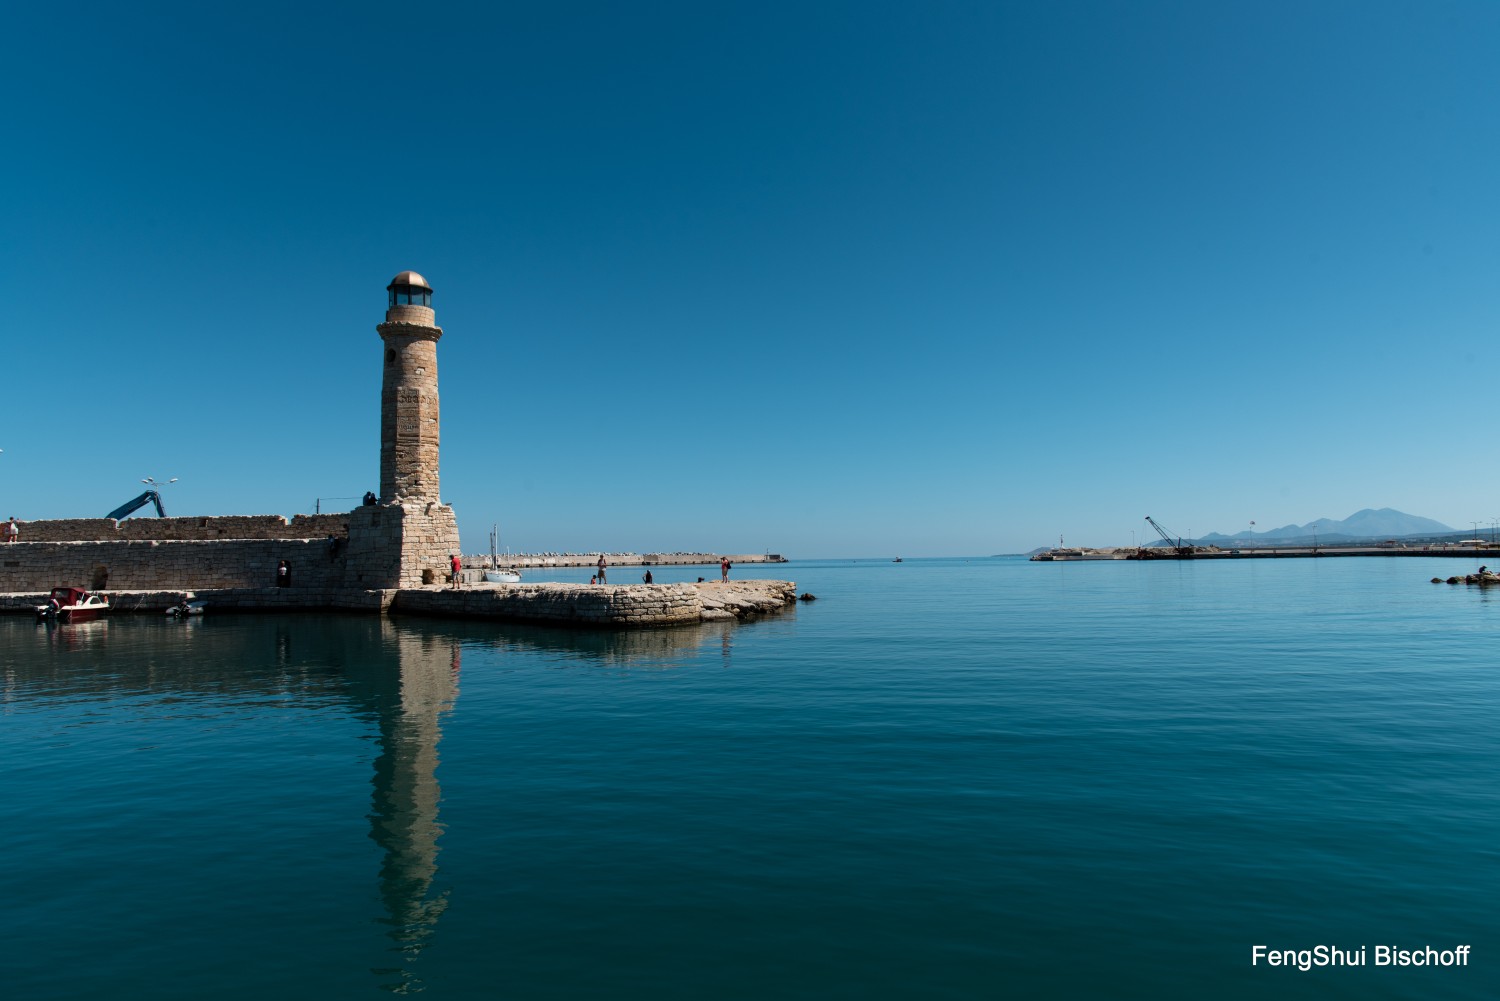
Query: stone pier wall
<point>590,605</point>
<point>110,566</point>
<point>386,557</point>
<point>255,526</point>
<point>379,547</point>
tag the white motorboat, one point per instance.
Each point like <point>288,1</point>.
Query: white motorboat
<point>72,604</point>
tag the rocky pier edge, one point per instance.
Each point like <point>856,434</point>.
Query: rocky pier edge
<point>602,605</point>
<point>597,606</point>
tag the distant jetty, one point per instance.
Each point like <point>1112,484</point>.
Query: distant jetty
<point>524,560</point>
<point>1081,554</point>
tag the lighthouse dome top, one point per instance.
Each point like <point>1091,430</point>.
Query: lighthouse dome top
<point>410,289</point>
<point>410,279</point>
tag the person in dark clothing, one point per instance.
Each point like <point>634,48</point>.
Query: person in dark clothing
<point>283,574</point>
<point>647,577</point>
<point>369,498</point>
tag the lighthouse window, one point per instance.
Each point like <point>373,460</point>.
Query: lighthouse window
<point>410,297</point>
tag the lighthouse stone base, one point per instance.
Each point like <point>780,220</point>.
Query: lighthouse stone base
<point>400,545</point>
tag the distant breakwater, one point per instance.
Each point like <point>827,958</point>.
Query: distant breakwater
<point>524,560</point>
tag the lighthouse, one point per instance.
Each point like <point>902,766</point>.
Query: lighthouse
<point>409,420</point>
<point>407,539</point>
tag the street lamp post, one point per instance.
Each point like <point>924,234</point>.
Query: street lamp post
<point>155,486</point>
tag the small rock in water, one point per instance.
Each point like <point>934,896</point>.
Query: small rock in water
<point>1437,580</point>
<point>1453,580</point>
<point>804,596</point>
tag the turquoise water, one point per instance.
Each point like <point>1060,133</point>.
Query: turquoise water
<point>944,779</point>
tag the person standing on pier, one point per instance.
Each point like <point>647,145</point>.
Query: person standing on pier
<point>647,577</point>
<point>724,566</point>
<point>12,531</point>
<point>602,564</point>
<point>458,571</point>
<point>283,574</point>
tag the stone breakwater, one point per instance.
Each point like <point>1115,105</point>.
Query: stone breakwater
<point>525,560</point>
<point>379,557</point>
<point>630,606</point>
<point>608,606</point>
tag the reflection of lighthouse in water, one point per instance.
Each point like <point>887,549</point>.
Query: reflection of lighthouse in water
<point>404,818</point>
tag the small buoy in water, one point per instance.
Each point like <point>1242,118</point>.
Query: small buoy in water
<point>804,596</point>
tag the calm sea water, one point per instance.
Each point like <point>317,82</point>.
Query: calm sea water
<point>944,779</point>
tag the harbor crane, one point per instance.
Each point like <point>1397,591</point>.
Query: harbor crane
<point>151,496</point>
<point>133,505</point>
<point>1176,545</point>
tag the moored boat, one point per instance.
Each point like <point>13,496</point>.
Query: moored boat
<point>496,574</point>
<point>72,604</point>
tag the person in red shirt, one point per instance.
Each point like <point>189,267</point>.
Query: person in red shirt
<point>458,571</point>
<point>724,569</point>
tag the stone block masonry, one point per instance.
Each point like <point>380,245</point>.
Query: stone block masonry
<point>400,545</point>
<point>112,566</point>
<point>255,526</point>
<point>588,605</point>
<point>379,547</point>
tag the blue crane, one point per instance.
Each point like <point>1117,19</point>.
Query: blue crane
<point>130,507</point>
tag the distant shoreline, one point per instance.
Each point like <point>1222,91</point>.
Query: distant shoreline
<point>1153,554</point>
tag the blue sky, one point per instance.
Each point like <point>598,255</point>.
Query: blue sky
<point>831,279</point>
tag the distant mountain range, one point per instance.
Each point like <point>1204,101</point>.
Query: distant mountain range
<point>1368,525</point>
<point>1386,523</point>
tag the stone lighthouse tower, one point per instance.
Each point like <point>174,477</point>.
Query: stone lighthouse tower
<point>407,538</point>
<point>409,393</point>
